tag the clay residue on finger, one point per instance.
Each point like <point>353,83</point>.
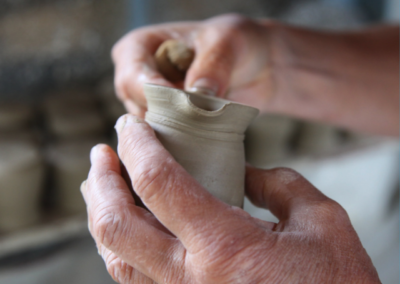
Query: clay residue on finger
<point>287,176</point>
<point>173,59</point>
<point>135,119</point>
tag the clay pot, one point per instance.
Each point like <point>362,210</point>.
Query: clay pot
<point>73,114</point>
<point>267,140</point>
<point>70,165</point>
<point>22,173</point>
<point>318,139</point>
<point>205,135</point>
<point>77,123</point>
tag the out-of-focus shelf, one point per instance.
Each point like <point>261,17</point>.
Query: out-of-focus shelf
<point>43,235</point>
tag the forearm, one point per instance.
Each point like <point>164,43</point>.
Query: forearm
<point>349,79</point>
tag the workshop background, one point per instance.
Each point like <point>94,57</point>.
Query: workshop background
<point>57,101</point>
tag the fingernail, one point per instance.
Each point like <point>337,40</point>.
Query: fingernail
<point>93,153</point>
<point>83,186</point>
<point>205,86</point>
<point>125,120</point>
<point>121,123</point>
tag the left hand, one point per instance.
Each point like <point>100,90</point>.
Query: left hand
<point>192,237</point>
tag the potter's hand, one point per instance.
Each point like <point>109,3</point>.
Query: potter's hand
<point>349,79</point>
<point>195,238</point>
<point>230,52</point>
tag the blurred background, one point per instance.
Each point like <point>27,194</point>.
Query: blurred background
<point>57,100</point>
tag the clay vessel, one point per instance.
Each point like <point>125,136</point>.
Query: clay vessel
<point>205,135</point>
<point>22,174</point>
<point>70,165</point>
<point>73,114</point>
<point>267,140</point>
<point>317,139</point>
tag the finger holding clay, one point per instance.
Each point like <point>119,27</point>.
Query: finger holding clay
<point>173,59</point>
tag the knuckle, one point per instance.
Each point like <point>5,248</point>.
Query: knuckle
<point>128,144</point>
<point>225,37</point>
<point>328,220</point>
<point>220,60</point>
<point>119,270</point>
<point>108,226</point>
<point>329,211</point>
<point>234,26</point>
<point>151,177</point>
<point>99,179</point>
<point>282,175</point>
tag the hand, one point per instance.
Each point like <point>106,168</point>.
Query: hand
<point>348,79</point>
<point>191,237</point>
<point>231,52</point>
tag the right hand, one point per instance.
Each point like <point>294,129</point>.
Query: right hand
<point>189,236</point>
<point>231,52</point>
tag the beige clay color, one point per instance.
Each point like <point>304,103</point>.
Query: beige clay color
<point>22,173</point>
<point>205,135</point>
<point>173,59</point>
<point>70,163</point>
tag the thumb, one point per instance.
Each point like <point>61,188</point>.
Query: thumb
<point>287,194</point>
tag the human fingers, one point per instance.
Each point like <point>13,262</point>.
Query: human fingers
<point>119,270</point>
<point>289,196</point>
<point>134,108</point>
<point>133,57</point>
<point>228,53</point>
<point>112,176</point>
<point>176,199</point>
<point>117,224</point>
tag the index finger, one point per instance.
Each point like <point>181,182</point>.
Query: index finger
<point>177,200</point>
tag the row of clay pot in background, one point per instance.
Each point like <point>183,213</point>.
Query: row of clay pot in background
<point>44,152</point>
<point>272,139</point>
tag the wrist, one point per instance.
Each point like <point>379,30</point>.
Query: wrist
<point>284,62</point>
<point>302,71</point>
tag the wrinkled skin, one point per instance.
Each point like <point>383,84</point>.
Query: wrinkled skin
<point>349,79</point>
<point>191,237</point>
<point>225,58</point>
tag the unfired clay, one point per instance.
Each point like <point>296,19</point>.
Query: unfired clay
<point>22,174</point>
<point>267,140</point>
<point>318,139</point>
<point>76,123</point>
<point>71,164</point>
<point>73,114</point>
<point>205,135</point>
<point>173,59</point>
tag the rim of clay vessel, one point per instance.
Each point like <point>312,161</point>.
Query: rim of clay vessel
<point>217,114</point>
<point>204,104</point>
